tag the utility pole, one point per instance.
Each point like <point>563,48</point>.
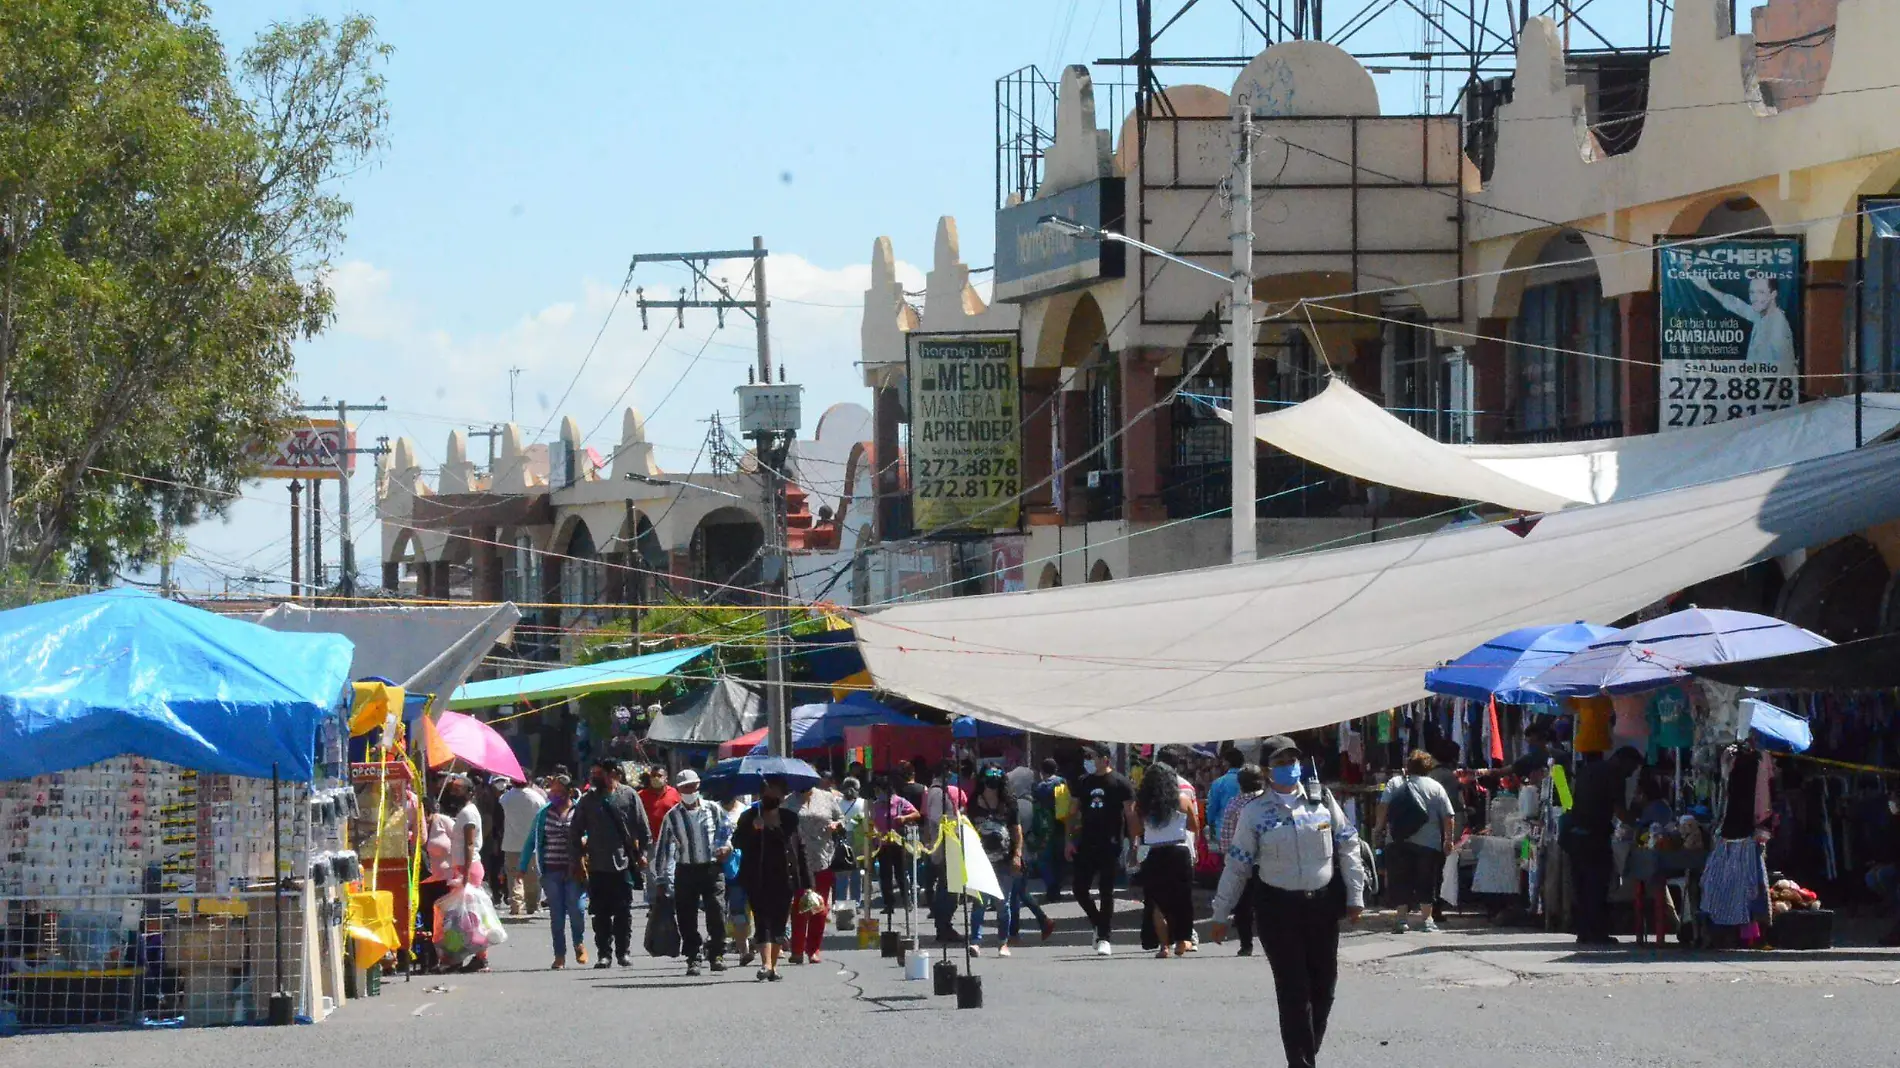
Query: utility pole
<point>296,557</point>
<point>315,585</point>
<point>491,434</point>
<point>772,432</point>
<point>164,547</point>
<point>346,541</point>
<point>1240,333</point>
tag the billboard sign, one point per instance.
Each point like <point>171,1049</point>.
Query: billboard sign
<point>966,443</point>
<point>1731,329</point>
<point>1033,260</point>
<point>310,450</point>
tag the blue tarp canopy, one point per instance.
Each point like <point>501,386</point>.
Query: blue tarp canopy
<point>821,726</point>
<point>89,678</point>
<point>968,727</point>
<point>1777,728</point>
<point>633,673</point>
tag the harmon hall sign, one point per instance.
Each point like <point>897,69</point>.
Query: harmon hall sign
<point>965,432</point>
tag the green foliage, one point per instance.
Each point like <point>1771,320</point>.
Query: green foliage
<point>166,225</point>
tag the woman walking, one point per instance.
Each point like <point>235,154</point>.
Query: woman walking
<point>772,869</point>
<point>997,818</point>
<point>1167,871</point>
<point>549,848</point>
<point>1294,860</point>
<point>820,822</point>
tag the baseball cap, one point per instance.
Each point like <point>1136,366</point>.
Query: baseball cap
<point>1277,745</point>
<point>689,777</point>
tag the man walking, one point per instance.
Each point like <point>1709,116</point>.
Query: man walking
<point>689,864</point>
<point>1102,803</point>
<point>1051,830</point>
<point>945,801</point>
<point>519,806</point>
<point>613,827</point>
<point>1586,833</point>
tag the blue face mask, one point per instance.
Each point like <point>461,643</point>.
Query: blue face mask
<point>1284,774</point>
<point>1088,767</point>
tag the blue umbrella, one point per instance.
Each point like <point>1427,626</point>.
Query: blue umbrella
<point>822,725</point>
<point>1653,654</point>
<point>1778,728</point>
<point>1499,667</point>
<point>747,775</point>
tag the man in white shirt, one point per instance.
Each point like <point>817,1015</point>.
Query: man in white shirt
<point>519,806</point>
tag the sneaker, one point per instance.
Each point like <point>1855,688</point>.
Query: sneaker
<point>975,949</point>
<point>559,963</point>
<point>718,964</point>
<point>625,961</point>
<point>692,967</point>
<point>603,966</point>
<point>1102,948</point>
<point>1431,927</point>
<point>1401,927</point>
<point>746,956</point>
<point>580,955</point>
<point>1002,950</point>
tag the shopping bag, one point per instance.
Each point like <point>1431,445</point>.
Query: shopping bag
<point>1448,881</point>
<point>489,920</point>
<point>663,931</point>
<point>458,927</point>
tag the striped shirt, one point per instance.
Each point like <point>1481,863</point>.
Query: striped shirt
<point>688,835</point>
<point>557,832</point>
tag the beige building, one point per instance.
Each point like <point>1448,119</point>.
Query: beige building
<point>1489,277</point>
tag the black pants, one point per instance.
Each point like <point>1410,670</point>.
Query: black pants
<point>1244,924</point>
<point>1592,868</point>
<point>610,899</point>
<point>893,865</point>
<point>1099,870</point>
<point>1415,871</point>
<point>1300,933</point>
<point>700,889</point>
<point>1167,887</point>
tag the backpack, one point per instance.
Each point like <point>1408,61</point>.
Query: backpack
<point>1407,814</point>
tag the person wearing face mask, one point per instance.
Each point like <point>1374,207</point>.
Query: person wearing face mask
<point>1102,812</point>
<point>856,815</point>
<point>1294,859</point>
<point>612,825</point>
<point>550,849</point>
<point>944,801</point>
<point>689,866</point>
<point>773,870</point>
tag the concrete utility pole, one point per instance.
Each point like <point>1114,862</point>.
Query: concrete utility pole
<point>1240,333</point>
<point>6,478</point>
<point>296,557</point>
<point>771,445</point>
<point>315,584</point>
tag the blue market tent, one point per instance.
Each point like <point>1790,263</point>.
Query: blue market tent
<point>821,726</point>
<point>89,678</point>
<point>631,674</point>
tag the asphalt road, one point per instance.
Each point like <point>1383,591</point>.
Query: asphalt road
<point>1463,998</point>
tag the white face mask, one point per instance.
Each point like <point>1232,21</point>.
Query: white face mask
<point>1088,767</point>
<point>690,800</point>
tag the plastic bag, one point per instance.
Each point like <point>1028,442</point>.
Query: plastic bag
<point>466,924</point>
<point>663,932</point>
<point>810,903</point>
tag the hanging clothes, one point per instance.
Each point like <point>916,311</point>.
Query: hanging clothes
<point>1735,883</point>
<point>1629,724</point>
<point>1497,871</point>
<point>1671,721</point>
<point>1592,727</point>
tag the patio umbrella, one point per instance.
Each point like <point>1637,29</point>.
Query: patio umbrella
<point>476,744</point>
<point>747,775</point>
<point>1653,654</point>
<point>1499,667</point>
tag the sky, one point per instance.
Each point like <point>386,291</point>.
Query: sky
<point>533,151</point>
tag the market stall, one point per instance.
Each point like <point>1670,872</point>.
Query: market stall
<point>173,802</point>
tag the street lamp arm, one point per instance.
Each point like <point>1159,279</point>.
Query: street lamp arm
<point>1076,229</point>
<point>652,481</point>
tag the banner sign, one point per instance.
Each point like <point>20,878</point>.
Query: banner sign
<point>1731,328</point>
<point>310,450</point>
<point>965,432</point>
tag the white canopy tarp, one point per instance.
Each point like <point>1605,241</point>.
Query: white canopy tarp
<point>1344,431</point>
<point>1300,641</point>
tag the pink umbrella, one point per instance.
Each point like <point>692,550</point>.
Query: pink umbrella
<point>475,743</point>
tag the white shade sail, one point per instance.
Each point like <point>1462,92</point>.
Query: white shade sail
<point>1342,430</point>
<point>1300,641</point>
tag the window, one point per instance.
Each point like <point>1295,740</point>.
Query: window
<point>1558,385</point>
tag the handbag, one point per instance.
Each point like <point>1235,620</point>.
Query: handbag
<point>843,857</point>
